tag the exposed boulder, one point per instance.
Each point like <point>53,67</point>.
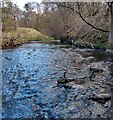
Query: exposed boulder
<point>101,98</point>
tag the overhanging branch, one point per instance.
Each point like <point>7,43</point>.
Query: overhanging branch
<point>78,12</point>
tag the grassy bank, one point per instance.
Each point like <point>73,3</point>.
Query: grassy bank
<point>21,35</point>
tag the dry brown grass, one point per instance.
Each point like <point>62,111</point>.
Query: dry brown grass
<point>25,35</point>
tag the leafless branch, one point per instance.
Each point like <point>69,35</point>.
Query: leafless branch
<point>78,12</point>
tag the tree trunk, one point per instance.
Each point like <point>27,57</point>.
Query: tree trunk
<point>111,30</point>
<point>15,23</point>
<point>26,19</point>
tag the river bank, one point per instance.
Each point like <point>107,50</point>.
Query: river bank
<point>14,38</point>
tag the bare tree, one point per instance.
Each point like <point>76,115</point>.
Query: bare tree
<point>72,7</point>
<point>9,14</point>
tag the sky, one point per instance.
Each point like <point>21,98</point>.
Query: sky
<point>21,3</point>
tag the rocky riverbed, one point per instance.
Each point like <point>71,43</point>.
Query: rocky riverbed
<point>55,81</point>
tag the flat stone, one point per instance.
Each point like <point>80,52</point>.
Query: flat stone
<point>73,85</point>
<point>101,98</point>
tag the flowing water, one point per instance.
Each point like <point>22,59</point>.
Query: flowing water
<point>30,74</point>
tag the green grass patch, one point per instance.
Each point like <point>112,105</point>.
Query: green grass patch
<point>48,38</point>
<point>97,45</point>
<point>102,45</point>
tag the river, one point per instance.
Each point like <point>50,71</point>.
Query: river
<point>30,75</point>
